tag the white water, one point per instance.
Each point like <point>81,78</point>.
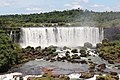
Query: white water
<point>60,36</point>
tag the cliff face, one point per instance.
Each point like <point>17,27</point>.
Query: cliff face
<point>112,33</point>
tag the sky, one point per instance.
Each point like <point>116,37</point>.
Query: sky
<point>38,6</point>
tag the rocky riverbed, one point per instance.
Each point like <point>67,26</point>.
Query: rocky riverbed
<point>77,63</point>
<point>67,63</point>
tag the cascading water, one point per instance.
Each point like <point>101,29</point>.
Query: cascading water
<point>60,36</point>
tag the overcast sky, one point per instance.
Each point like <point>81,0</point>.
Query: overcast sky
<point>38,6</point>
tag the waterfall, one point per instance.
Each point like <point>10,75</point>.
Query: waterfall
<point>60,36</point>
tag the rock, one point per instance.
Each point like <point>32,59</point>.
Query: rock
<point>92,66</point>
<point>74,51</point>
<point>30,78</point>
<point>65,47</point>
<point>108,77</point>
<point>105,41</point>
<point>75,56</point>
<point>83,48</point>
<point>89,59</point>
<point>86,75</point>
<point>63,77</point>
<point>98,45</point>
<point>101,67</point>
<point>75,61</point>
<point>88,45</point>
<point>67,52</point>
<point>55,75</point>
<point>110,62</point>
<point>118,66</point>
<point>113,73</point>
<point>63,58</point>
<point>52,60</point>
<point>69,59</point>
<point>59,59</point>
<point>82,51</point>
<point>83,55</point>
<point>38,48</point>
<point>83,62</point>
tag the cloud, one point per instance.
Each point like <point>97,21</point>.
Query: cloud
<point>73,5</point>
<point>85,1</point>
<point>97,6</point>
<point>33,9</point>
<point>6,3</point>
<point>76,4</point>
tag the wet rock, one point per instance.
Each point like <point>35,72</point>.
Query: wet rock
<point>64,58</point>
<point>75,61</point>
<point>67,55</point>
<point>101,67</point>
<point>47,58</point>
<point>86,75</point>
<point>63,77</point>
<point>30,78</point>
<point>108,77</point>
<point>83,62</point>
<point>118,66</point>
<point>38,48</point>
<point>59,59</point>
<point>82,51</point>
<point>89,59</point>
<point>98,45</point>
<point>83,55</point>
<point>88,45</point>
<point>92,66</point>
<point>65,47</point>
<point>113,73</point>
<point>69,59</point>
<point>74,51</point>
<point>110,62</point>
<point>67,52</point>
<point>75,56</point>
<point>55,75</point>
<point>52,60</point>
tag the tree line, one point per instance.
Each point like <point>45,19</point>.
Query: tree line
<point>74,17</point>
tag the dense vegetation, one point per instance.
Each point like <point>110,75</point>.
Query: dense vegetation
<point>9,52</point>
<point>109,50</point>
<point>74,17</point>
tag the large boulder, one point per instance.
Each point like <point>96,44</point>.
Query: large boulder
<point>83,53</point>
<point>75,56</point>
<point>88,45</point>
<point>101,67</point>
<point>74,51</point>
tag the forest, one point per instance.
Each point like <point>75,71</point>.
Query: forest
<point>74,17</point>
